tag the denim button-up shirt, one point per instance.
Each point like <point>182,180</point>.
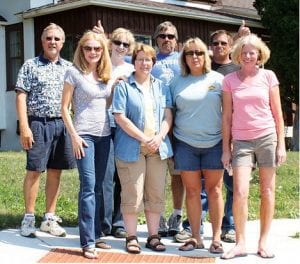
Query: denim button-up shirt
<point>128,99</point>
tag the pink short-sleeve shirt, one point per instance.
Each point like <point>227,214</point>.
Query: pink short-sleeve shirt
<point>252,116</point>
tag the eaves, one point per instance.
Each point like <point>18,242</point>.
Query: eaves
<point>142,6</point>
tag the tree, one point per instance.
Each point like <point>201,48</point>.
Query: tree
<point>281,18</point>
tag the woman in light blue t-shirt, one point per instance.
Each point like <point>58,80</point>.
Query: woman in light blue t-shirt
<point>196,96</point>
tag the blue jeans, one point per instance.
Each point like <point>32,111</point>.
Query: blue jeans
<point>107,195</point>
<point>227,222</point>
<point>92,170</point>
<point>112,194</point>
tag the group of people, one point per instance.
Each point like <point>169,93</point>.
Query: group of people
<point>125,125</point>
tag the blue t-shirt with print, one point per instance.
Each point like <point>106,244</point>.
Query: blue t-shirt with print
<point>166,67</point>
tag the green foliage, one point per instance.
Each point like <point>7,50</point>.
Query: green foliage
<point>12,171</point>
<point>281,18</point>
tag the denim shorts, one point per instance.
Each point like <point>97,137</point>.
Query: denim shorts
<point>188,158</point>
<point>52,147</point>
<point>246,153</point>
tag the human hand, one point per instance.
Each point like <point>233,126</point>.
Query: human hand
<point>243,30</point>
<point>226,159</point>
<point>98,28</point>
<point>280,155</point>
<point>78,145</point>
<point>26,138</point>
<point>154,143</point>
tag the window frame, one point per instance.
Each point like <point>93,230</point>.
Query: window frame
<point>10,79</point>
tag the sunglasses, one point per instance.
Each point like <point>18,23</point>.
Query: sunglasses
<point>164,36</point>
<point>193,52</point>
<point>88,48</point>
<point>216,43</point>
<point>51,38</point>
<point>119,43</point>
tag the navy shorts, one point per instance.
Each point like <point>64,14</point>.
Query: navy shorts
<point>52,147</point>
<point>188,158</point>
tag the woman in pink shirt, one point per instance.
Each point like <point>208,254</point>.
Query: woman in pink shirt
<point>253,125</point>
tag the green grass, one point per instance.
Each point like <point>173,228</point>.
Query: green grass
<point>12,171</point>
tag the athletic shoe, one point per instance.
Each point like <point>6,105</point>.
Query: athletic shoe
<point>183,236</point>
<point>51,226</point>
<point>228,236</point>
<point>174,223</point>
<point>28,226</point>
<point>163,228</point>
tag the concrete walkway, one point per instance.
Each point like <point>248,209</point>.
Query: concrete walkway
<point>17,249</point>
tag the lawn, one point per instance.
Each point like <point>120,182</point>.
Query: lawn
<point>12,171</point>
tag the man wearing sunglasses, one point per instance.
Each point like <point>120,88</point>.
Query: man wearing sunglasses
<point>165,69</point>
<point>166,66</point>
<point>42,132</point>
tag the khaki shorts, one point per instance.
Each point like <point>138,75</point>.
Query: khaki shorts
<point>143,183</point>
<point>246,153</point>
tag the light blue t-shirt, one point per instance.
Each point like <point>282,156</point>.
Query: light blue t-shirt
<point>166,67</point>
<point>197,106</point>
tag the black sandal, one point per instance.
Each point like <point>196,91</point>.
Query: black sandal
<point>156,246</point>
<point>132,245</point>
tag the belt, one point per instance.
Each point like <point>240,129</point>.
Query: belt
<point>43,119</point>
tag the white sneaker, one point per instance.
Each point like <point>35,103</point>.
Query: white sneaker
<point>28,226</point>
<point>50,225</point>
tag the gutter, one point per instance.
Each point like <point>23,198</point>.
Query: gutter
<point>50,9</point>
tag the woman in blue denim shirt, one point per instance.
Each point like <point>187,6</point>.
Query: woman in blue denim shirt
<point>142,111</point>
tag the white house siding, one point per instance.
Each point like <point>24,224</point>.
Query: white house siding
<point>8,119</point>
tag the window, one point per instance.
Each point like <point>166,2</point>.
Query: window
<point>14,53</point>
<point>143,38</point>
<point>67,51</point>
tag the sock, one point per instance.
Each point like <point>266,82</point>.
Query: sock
<point>29,215</point>
<point>177,212</point>
<point>49,215</point>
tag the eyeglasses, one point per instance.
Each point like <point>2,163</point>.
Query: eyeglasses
<point>146,60</point>
<point>119,43</point>
<point>164,36</point>
<point>216,43</point>
<point>194,52</point>
<point>51,38</point>
<point>88,48</point>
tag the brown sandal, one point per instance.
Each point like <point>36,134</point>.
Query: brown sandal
<point>155,246</point>
<point>132,245</point>
<point>191,244</point>
<point>102,244</point>
<point>216,248</point>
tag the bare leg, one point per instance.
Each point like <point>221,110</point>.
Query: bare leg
<point>241,177</point>
<point>177,191</point>
<point>213,185</point>
<point>192,183</point>
<point>130,221</point>
<point>152,219</point>
<point>31,188</point>
<point>52,189</point>
<point>267,193</point>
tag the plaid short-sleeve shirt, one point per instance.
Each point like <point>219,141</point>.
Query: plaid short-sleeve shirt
<point>42,80</point>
